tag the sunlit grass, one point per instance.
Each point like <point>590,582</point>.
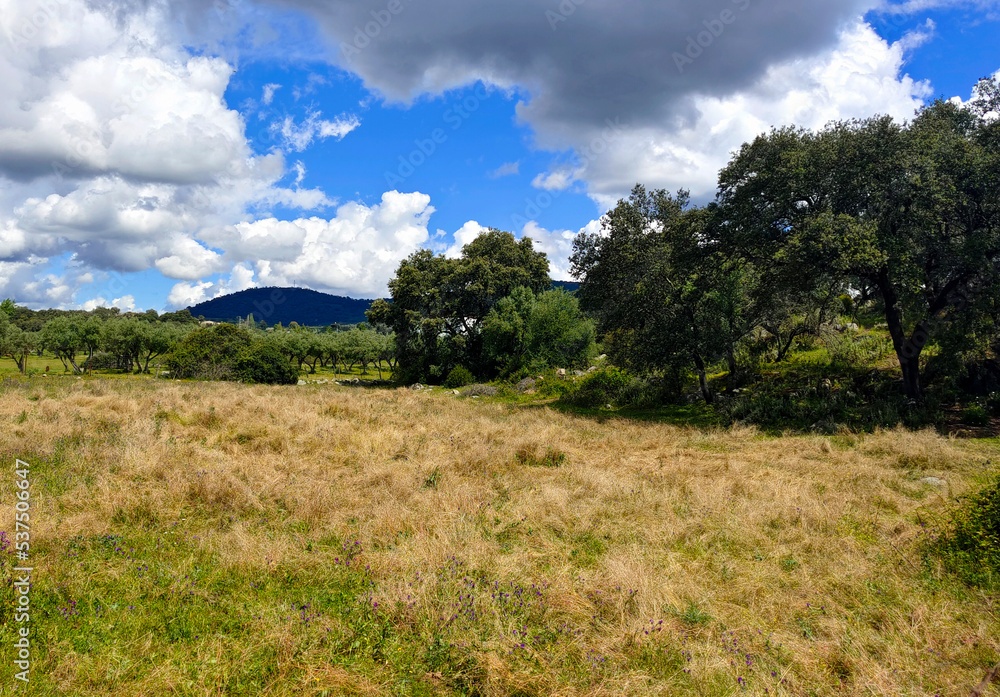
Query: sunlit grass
<point>204,538</point>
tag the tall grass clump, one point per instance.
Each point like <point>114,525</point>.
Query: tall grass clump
<point>970,546</point>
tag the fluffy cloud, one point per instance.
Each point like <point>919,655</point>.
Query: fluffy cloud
<point>557,245</point>
<point>117,148</point>
<point>659,92</point>
<point>188,294</point>
<point>267,96</point>
<point>125,303</point>
<point>507,169</point>
<point>859,77</point>
<point>465,234</point>
<point>557,180</point>
<point>298,137</point>
<point>82,98</point>
<point>356,252</point>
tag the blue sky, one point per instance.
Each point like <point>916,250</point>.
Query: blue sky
<point>156,154</point>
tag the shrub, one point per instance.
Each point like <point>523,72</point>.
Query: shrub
<point>976,415</point>
<point>459,377</point>
<point>601,387</point>
<point>209,352</point>
<point>971,547</point>
<point>846,304</point>
<point>554,386</point>
<point>651,391</point>
<point>264,364</point>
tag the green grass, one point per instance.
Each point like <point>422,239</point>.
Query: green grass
<point>37,364</point>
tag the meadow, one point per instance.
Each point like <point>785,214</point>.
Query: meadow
<point>222,539</point>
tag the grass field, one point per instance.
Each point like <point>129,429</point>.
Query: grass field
<point>220,539</point>
<point>41,365</point>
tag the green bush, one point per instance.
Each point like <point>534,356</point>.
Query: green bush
<point>602,387</point>
<point>976,415</point>
<point>264,364</point>
<point>553,386</point>
<point>846,304</point>
<point>209,353</point>
<point>971,547</point>
<point>459,377</point>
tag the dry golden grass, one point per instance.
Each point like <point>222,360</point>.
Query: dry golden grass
<point>799,552</point>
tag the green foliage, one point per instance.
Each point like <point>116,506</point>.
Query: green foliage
<point>976,415</point>
<point>7,307</point>
<point>17,343</point>
<point>993,403</point>
<point>459,377</point>
<point>905,213</point>
<point>263,363</point>
<point>970,547</point>
<point>602,387</point>
<point>692,615</point>
<point>524,333</point>
<point>666,294</point>
<point>209,352</point>
<point>438,305</point>
<point>859,400</point>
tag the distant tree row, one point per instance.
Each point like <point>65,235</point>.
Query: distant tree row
<point>105,340</point>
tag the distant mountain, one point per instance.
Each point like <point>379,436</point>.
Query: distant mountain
<point>307,307</point>
<point>570,286</point>
<point>285,305</point>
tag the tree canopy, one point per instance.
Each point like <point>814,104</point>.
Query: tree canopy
<point>438,304</point>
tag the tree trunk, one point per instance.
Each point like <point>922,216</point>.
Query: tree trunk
<point>783,349</point>
<point>908,349</point>
<point>731,379</point>
<point>706,391</point>
<point>151,356</point>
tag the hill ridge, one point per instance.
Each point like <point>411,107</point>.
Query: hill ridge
<point>274,304</point>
